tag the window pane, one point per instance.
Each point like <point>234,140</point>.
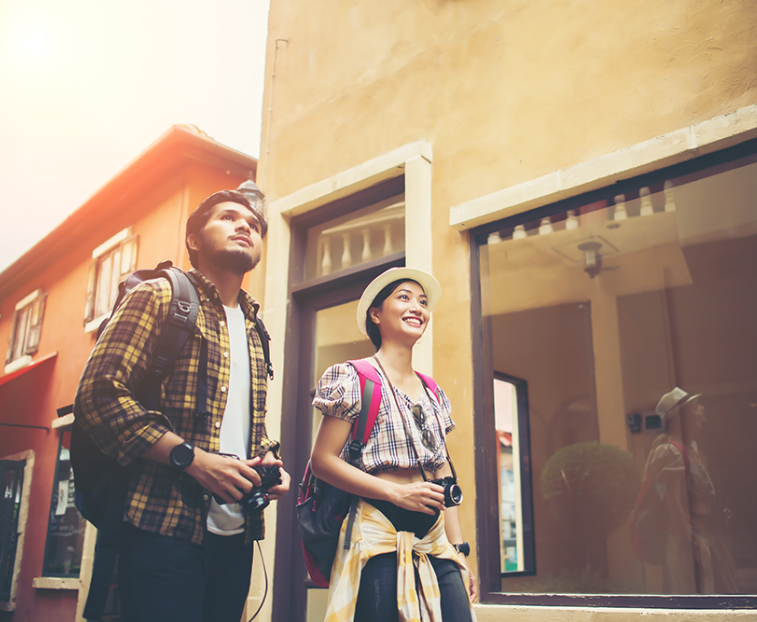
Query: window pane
<point>603,311</point>
<point>337,339</point>
<point>65,531</point>
<point>370,233</point>
<point>22,330</point>
<point>11,481</point>
<point>105,267</point>
<point>516,530</point>
<point>115,277</point>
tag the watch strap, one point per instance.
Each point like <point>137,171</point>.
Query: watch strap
<point>463,548</point>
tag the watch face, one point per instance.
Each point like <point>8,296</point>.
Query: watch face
<point>182,455</point>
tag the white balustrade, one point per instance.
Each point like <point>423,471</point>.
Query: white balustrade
<point>670,202</point>
<point>366,256</point>
<point>326,261</point>
<point>346,251</point>
<point>647,209</point>
<point>620,207</point>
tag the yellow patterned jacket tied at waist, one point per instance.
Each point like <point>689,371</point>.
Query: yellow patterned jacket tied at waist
<point>373,534</point>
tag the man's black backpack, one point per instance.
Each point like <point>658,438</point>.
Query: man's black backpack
<point>101,483</point>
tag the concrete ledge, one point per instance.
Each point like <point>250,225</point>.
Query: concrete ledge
<point>513,613</point>
<point>666,150</point>
<point>348,182</point>
<point>55,583</point>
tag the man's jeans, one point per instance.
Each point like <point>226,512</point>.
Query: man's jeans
<point>162,579</point>
<point>377,599</point>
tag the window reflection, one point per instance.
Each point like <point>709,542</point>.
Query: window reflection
<point>65,532</point>
<point>603,309</point>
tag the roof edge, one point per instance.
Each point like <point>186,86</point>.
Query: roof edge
<point>178,146</point>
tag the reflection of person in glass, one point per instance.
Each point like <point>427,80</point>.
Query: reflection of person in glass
<point>695,559</point>
<point>403,563</point>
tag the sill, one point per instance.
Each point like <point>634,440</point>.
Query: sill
<point>55,583</point>
<point>62,422</point>
<point>93,325</point>
<point>19,363</point>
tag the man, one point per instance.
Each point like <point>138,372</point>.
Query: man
<point>183,555</point>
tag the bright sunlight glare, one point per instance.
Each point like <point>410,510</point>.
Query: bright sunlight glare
<point>32,42</point>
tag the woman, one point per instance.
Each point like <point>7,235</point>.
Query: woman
<point>401,517</point>
<point>695,559</point>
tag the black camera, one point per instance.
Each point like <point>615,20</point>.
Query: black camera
<point>257,499</point>
<point>453,494</point>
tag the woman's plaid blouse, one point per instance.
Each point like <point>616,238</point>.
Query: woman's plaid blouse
<point>388,447</point>
<point>159,500</point>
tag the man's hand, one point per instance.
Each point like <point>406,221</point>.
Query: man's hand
<point>226,477</point>
<point>276,492</point>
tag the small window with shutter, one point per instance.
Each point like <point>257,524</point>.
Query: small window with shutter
<point>113,262</point>
<point>27,327</point>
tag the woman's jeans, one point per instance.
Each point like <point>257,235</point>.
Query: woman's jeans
<point>163,579</point>
<point>377,599</point>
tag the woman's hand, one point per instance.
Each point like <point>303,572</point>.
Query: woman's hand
<point>472,580</point>
<point>422,497</point>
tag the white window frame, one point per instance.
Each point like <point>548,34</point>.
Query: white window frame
<point>122,248</point>
<point>26,330</point>
<point>23,517</point>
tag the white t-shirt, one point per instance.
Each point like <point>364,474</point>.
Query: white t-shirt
<point>227,519</point>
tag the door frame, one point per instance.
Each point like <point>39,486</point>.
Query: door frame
<point>290,577</point>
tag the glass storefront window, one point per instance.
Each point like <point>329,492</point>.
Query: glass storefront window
<point>65,531</point>
<point>631,319</point>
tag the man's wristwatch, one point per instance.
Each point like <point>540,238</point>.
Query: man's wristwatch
<point>181,456</point>
<point>463,548</point>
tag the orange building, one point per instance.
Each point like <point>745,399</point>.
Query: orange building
<point>51,301</point>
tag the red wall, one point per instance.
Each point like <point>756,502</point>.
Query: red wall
<point>158,218</point>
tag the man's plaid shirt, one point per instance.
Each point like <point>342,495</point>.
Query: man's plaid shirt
<point>159,500</point>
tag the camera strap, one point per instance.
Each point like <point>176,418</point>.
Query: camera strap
<point>407,430</point>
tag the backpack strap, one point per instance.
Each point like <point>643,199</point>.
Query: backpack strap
<point>265,339</point>
<point>431,384</point>
<point>681,448</point>
<point>180,323</point>
<point>370,401</point>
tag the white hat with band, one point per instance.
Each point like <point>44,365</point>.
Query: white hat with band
<point>672,401</point>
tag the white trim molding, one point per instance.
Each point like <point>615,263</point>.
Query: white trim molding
<point>19,363</point>
<point>23,519</point>
<point>28,299</point>
<point>678,146</point>
<point>414,162</point>
<point>110,243</point>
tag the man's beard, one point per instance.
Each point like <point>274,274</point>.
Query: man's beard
<point>236,261</point>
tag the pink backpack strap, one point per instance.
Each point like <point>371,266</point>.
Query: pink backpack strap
<point>370,399</point>
<point>431,384</point>
<point>684,452</point>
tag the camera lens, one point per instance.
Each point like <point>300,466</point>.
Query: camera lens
<point>454,495</point>
<point>255,503</point>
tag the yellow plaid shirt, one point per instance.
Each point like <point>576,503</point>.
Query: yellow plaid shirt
<point>159,500</point>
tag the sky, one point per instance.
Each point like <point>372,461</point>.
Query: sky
<point>87,85</point>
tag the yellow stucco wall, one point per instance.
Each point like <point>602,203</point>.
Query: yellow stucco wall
<point>505,92</point>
